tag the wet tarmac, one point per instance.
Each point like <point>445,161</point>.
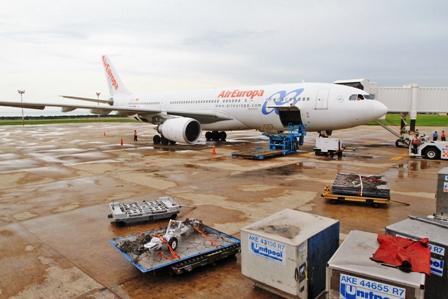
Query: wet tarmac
<point>56,181</point>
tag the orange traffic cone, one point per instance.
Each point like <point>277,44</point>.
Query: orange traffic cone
<point>121,141</point>
<point>213,150</point>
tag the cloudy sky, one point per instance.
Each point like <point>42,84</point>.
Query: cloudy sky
<point>54,47</point>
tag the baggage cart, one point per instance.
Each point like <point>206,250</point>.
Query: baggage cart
<point>199,249</point>
<point>337,198</point>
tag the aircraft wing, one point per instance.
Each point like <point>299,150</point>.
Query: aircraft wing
<point>201,116</point>
<point>70,107</point>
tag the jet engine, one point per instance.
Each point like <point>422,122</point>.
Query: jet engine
<point>180,129</point>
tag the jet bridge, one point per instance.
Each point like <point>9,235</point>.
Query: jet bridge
<point>407,99</point>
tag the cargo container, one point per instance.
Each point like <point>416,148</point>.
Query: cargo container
<point>437,233</point>
<point>442,194</point>
<point>361,185</point>
<point>286,253</point>
<point>352,274</point>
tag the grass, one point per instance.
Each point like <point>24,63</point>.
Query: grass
<point>430,120</point>
<point>46,121</point>
<point>392,119</point>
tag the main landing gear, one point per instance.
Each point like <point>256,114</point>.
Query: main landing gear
<point>216,136</point>
<point>157,139</point>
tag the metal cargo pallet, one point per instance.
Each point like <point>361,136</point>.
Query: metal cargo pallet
<point>335,198</point>
<point>133,212</point>
<point>193,252</point>
<point>258,155</point>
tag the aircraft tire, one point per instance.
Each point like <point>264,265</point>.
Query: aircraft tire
<point>173,243</point>
<point>156,139</point>
<point>222,135</point>
<point>208,136</point>
<point>215,135</point>
<point>431,153</point>
<point>164,141</point>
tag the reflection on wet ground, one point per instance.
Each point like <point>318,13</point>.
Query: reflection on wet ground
<point>56,181</point>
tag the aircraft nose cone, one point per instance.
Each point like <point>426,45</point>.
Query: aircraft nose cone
<point>380,109</point>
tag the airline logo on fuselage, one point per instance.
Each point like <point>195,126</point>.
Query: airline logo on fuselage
<point>281,98</point>
<point>241,93</point>
<point>109,73</point>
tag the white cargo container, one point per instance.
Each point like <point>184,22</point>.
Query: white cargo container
<point>352,274</point>
<point>287,252</point>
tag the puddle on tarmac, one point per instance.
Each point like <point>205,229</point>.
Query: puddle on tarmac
<point>112,147</point>
<point>86,183</point>
<point>84,157</point>
<point>50,171</point>
<point>403,170</point>
<point>416,165</point>
<point>17,164</point>
<point>283,170</point>
<point>64,151</point>
<point>9,156</point>
<point>180,147</point>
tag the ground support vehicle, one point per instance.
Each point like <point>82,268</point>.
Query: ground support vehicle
<point>280,144</point>
<point>430,150</point>
<point>326,146</point>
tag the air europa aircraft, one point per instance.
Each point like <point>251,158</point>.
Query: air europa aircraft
<point>181,116</point>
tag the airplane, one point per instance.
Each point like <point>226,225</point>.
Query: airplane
<point>182,116</point>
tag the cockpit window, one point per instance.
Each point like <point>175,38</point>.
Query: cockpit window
<point>360,97</point>
<point>353,97</point>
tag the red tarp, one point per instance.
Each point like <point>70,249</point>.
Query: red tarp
<point>404,253</point>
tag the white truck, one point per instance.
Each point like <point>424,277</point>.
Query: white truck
<point>430,150</point>
<point>328,146</point>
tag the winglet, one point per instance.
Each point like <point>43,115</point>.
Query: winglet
<point>116,86</point>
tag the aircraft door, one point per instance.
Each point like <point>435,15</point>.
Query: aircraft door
<point>321,100</point>
<point>290,115</point>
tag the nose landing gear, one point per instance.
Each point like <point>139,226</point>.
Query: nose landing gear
<point>215,136</point>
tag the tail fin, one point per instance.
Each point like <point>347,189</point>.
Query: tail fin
<point>116,86</point>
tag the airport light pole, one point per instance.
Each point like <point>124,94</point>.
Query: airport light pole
<point>98,103</point>
<point>21,92</point>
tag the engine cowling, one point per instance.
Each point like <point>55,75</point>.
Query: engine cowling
<point>181,129</point>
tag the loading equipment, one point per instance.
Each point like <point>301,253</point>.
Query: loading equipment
<point>280,144</point>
